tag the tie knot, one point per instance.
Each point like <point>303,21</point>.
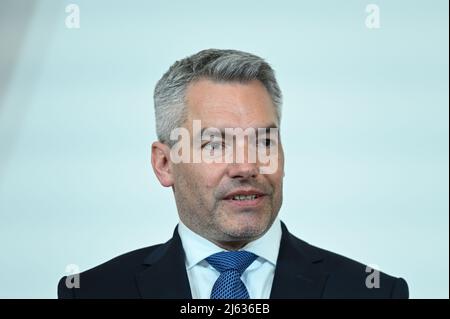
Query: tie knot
<point>231,260</point>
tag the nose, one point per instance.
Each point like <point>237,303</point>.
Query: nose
<point>244,162</point>
<point>242,170</point>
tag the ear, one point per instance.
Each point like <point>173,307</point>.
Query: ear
<point>161,163</point>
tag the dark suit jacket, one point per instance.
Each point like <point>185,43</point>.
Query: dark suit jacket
<point>302,271</point>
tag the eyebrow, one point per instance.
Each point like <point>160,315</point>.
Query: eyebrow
<point>222,130</point>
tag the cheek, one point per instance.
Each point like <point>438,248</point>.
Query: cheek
<point>211,174</point>
<point>281,157</point>
<point>277,180</point>
<point>280,172</point>
<point>186,178</point>
<point>206,176</point>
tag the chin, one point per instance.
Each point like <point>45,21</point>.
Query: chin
<point>248,229</point>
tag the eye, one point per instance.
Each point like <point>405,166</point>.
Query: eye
<point>213,146</point>
<point>267,142</point>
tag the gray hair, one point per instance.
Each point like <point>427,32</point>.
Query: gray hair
<point>214,64</point>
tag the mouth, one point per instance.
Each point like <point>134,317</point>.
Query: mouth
<point>248,198</point>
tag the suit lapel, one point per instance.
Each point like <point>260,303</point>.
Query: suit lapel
<point>165,275</point>
<point>297,274</point>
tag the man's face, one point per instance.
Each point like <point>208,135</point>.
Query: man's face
<point>204,192</point>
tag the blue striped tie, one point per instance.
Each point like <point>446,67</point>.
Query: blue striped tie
<point>231,265</point>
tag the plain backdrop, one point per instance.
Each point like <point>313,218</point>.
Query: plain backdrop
<point>365,129</point>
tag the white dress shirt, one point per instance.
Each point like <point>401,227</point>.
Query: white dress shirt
<point>258,277</point>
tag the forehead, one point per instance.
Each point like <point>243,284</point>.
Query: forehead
<point>230,104</point>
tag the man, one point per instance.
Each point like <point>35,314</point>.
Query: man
<point>229,242</point>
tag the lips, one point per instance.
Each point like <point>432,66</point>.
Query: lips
<point>245,199</point>
<point>244,194</point>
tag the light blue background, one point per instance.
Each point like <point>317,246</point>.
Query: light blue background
<point>365,130</point>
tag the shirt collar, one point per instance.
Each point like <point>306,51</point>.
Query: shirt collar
<point>197,248</point>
